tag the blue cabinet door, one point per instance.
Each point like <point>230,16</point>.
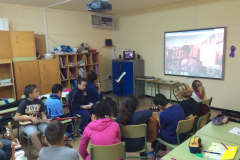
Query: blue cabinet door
<point>116,72</point>
<point>127,84</point>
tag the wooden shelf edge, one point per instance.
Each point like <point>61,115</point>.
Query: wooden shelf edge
<point>6,85</point>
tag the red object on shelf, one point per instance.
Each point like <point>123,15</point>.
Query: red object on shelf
<point>92,50</point>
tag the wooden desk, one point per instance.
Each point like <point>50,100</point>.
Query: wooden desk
<point>156,82</point>
<point>182,151</point>
<point>14,109</point>
<point>221,132</point>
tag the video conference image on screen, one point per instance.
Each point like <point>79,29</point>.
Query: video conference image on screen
<point>196,53</point>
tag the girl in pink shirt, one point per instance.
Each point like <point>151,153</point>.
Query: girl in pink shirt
<point>101,131</point>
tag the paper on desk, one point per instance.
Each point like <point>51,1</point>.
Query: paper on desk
<point>235,130</point>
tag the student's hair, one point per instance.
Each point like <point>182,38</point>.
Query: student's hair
<point>56,88</point>
<point>182,90</point>
<point>101,110</point>
<point>160,99</point>
<point>54,132</point>
<point>186,48</point>
<point>129,106</point>
<point>91,76</point>
<point>80,80</point>
<point>29,89</point>
<point>198,87</point>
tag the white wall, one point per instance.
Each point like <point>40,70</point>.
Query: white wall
<point>64,27</point>
<point>144,32</point>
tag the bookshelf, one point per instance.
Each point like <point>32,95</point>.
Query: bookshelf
<point>6,71</point>
<point>69,65</point>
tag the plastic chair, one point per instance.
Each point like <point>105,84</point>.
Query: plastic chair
<point>208,101</point>
<point>110,152</point>
<point>136,131</point>
<point>183,126</point>
<point>203,120</point>
<point>78,116</point>
<point>24,135</point>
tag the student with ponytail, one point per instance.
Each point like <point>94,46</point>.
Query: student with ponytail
<point>128,116</point>
<point>198,91</point>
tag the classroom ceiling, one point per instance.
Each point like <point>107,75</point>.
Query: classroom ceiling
<point>119,6</point>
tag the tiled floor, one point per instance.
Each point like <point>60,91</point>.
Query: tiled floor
<point>145,103</point>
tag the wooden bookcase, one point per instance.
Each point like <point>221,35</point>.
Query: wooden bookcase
<point>6,71</point>
<point>91,62</point>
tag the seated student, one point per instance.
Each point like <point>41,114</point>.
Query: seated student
<point>128,116</point>
<point>101,131</point>
<point>54,107</point>
<point>55,137</point>
<point>95,93</point>
<point>190,106</point>
<point>169,118</point>
<point>34,108</point>
<point>6,150</point>
<point>198,91</point>
<point>78,102</point>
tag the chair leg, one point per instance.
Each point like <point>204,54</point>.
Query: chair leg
<point>73,130</point>
<point>29,152</point>
<point>156,150</point>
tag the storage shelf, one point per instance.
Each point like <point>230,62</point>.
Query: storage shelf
<point>6,85</point>
<point>81,65</point>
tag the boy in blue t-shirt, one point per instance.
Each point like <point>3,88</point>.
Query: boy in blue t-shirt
<point>169,118</point>
<point>54,108</point>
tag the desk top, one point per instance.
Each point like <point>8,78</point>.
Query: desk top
<point>182,151</point>
<point>168,157</point>
<point>150,80</point>
<point>8,110</point>
<point>221,132</point>
<point>158,80</point>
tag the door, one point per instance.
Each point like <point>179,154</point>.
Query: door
<point>49,74</point>
<point>26,73</point>
<point>5,50</point>
<point>116,72</point>
<point>127,83</point>
<point>23,44</point>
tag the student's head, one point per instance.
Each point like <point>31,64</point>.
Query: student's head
<point>160,100</point>
<point>81,83</point>
<point>100,110</point>
<point>129,106</point>
<point>31,91</point>
<point>182,91</point>
<point>198,87</point>
<point>54,133</point>
<point>57,89</point>
<point>92,76</point>
<point>185,50</point>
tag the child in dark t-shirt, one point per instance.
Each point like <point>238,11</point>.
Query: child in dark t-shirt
<point>34,109</point>
<point>190,106</point>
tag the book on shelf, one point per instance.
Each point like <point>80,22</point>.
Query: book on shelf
<point>95,68</point>
<point>62,76</point>
<point>60,62</point>
<point>71,75</point>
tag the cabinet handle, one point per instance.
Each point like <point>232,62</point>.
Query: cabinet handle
<point>16,38</point>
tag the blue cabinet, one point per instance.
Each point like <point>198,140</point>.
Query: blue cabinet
<point>133,69</point>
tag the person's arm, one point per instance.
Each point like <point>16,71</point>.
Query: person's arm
<point>185,109</point>
<point>163,121</point>
<point>84,144</point>
<point>73,103</point>
<point>59,108</point>
<point>147,114</point>
<point>99,97</point>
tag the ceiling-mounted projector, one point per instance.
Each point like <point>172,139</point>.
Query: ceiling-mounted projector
<point>99,6</point>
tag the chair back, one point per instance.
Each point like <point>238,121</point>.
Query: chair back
<point>203,120</point>
<point>185,126</point>
<point>134,131</point>
<point>204,108</point>
<point>116,151</point>
<point>208,101</point>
